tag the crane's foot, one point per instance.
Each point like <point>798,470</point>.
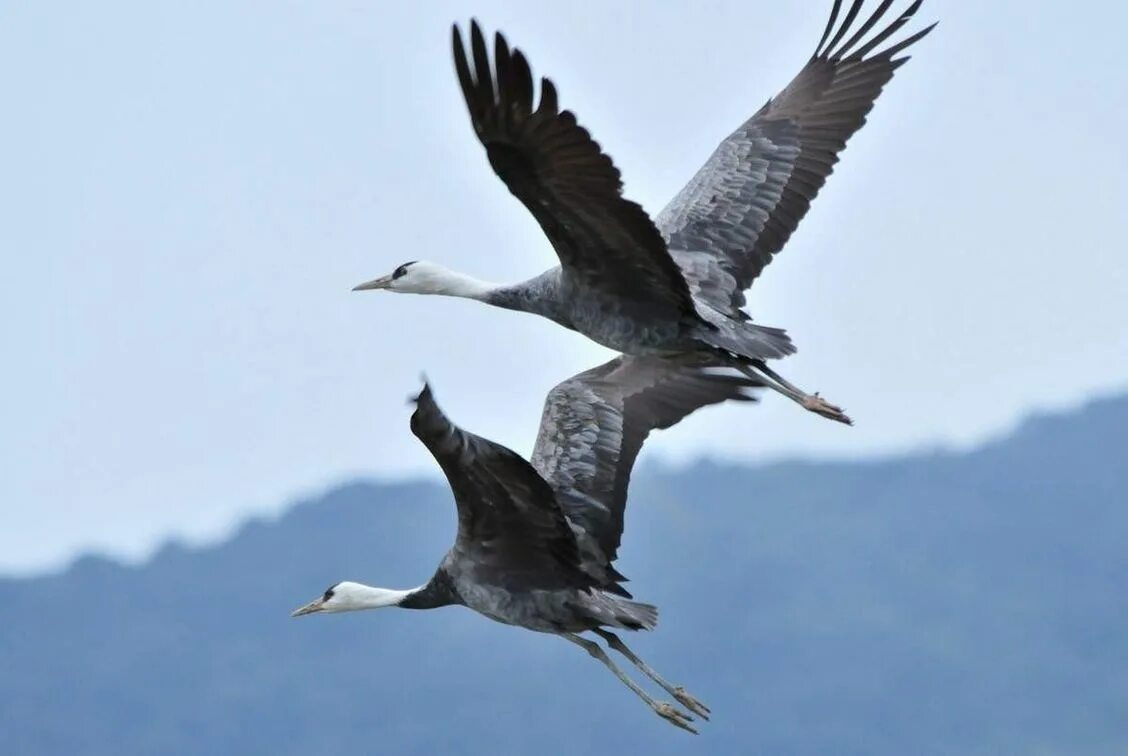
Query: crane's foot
<point>691,703</point>
<point>674,716</point>
<point>820,406</point>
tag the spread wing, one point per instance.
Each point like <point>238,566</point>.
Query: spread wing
<point>739,210</point>
<point>509,522</point>
<point>594,425</point>
<point>571,187</point>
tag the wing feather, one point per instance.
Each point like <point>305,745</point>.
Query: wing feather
<point>510,524</point>
<point>740,209</point>
<point>594,425</point>
<point>573,189</point>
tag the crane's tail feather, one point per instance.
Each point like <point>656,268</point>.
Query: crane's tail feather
<point>749,341</point>
<point>777,338</point>
<point>634,615</point>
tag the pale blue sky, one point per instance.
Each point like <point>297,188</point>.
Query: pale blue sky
<point>191,189</point>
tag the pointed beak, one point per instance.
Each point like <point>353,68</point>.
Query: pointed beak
<point>377,283</point>
<point>314,606</point>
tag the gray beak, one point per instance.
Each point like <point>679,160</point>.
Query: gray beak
<point>377,283</point>
<point>314,606</point>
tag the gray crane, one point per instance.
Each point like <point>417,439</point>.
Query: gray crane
<point>537,539</point>
<point>673,285</point>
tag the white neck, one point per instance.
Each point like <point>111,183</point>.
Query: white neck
<point>451,284</point>
<point>355,596</point>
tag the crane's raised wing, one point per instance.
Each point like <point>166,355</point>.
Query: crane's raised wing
<point>739,210</point>
<point>559,173</point>
<point>509,522</point>
<point>594,425</point>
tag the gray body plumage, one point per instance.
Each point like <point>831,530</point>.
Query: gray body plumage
<point>675,284</point>
<point>536,539</point>
<point>545,610</point>
<point>606,319</point>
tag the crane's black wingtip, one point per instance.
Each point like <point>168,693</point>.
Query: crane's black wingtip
<point>912,9</point>
<point>456,29</point>
<point>427,419</point>
<point>741,388</point>
<point>477,38</point>
<point>425,396</point>
<point>746,395</point>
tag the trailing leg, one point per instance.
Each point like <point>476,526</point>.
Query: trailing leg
<point>812,402</point>
<point>664,710</point>
<point>676,691</point>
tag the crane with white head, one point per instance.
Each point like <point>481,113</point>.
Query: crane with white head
<point>536,539</point>
<point>672,285</point>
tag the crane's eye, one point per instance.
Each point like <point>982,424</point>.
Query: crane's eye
<point>402,270</point>
<point>328,594</point>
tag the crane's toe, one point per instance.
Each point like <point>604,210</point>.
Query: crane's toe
<point>820,406</point>
<point>691,703</point>
<point>674,716</point>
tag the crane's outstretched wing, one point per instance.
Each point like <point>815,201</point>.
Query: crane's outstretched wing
<point>571,187</point>
<point>509,521</point>
<point>739,210</point>
<point>594,425</point>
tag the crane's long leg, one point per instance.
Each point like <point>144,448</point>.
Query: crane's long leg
<point>662,709</point>
<point>676,691</point>
<point>811,402</point>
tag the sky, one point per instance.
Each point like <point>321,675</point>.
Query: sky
<point>190,190</point>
